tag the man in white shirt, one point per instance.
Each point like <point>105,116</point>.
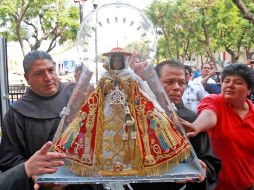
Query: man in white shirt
<point>206,73</point>
<point>193,92</point>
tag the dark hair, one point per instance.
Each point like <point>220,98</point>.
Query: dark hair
<point>112,58</point>
<point>204,64</point>
<point>32,56</point>
<point>171,63</point>
<point>241,70</point>
<point>78,68</point>
<point>188,68</point>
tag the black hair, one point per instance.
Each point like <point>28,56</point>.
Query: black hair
<point>78,68</point>
<point>188,68</point>
<point>32,56</point>
<point>171,63</point>
<point>241,70</point>
<point>112,58</point>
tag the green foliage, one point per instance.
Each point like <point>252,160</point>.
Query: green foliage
<point>34,21</point>
<point>140,45</point>
<point>200,28</point>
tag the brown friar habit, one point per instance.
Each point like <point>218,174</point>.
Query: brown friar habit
<point>14,178</point>
<point>30,122</point>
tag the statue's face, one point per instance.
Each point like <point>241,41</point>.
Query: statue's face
<point>117,63</point>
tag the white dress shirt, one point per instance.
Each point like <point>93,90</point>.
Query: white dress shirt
<point>193,93</point>
<point>199,79</point>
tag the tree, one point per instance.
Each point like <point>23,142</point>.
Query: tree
<point>141,46</point>
<point>201,28</point>
<point>247,14</point>
<point>234,32</point>
<point>198,27</point>
<point>184,29</point>
<point>36,21</point>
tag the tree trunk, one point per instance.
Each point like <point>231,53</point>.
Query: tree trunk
<point>18,17</point>
<point>234,56</point>
<point>20,38</point>
<point>244,10</point>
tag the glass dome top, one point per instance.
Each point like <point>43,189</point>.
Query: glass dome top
<point>116,25</point>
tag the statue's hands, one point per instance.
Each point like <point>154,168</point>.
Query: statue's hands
<point>106,66</point>
<point>137,67</point>
<point>133,60</point>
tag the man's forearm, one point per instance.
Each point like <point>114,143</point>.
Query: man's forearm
<point>204,80</point>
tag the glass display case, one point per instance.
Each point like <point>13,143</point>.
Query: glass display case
<point>125,129</point>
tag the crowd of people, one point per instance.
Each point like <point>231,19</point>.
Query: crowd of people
<point>215,111</point>
<point>228,118</point>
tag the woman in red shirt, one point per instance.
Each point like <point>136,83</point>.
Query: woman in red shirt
<point>229,119</point>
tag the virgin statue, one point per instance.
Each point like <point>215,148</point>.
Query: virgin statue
<point>121,129</point>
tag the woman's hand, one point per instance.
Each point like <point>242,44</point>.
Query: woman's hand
<point>190,129</point>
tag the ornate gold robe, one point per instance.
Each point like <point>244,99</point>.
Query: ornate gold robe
<point>119,131</point>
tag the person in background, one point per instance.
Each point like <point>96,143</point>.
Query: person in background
<point>214,67</point>
<point>188,72</point>
<point>193,92</point>
<point>210,85</point>
<point>206,74</point>
<point>213,88</point>
<point>196,73</point>
<point>78,71</point>
<point>229,119</point>
<point>251,97</point>
<point>250,63</point>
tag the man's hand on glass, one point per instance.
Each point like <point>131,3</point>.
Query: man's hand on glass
<point>200,179</point>
<point>44,162</point>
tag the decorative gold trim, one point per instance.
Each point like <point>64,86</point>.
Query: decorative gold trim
<point>163,167</point>
<point>85,170</point>
<point>120,173</point>
<point>142,163</point>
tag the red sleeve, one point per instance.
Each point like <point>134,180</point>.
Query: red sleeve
<point>211,102</point>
